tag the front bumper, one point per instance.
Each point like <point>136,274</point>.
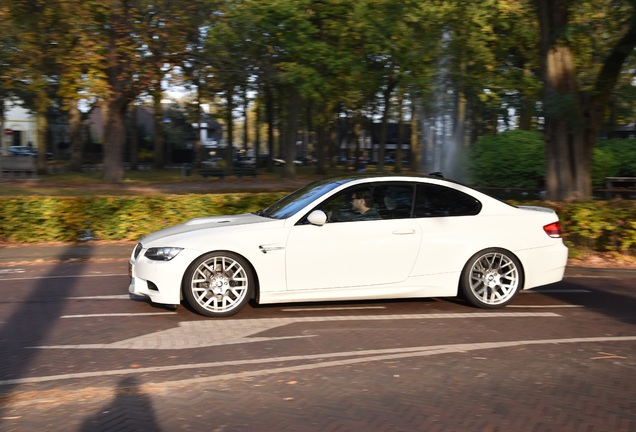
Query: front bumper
<point>160,281</point>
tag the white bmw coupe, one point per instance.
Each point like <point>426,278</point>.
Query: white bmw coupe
<point>354,238</point>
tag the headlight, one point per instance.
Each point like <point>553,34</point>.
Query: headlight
<point>162,253</point>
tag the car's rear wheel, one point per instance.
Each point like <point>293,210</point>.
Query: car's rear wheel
<point>491,278</point>
<point>218,284</point>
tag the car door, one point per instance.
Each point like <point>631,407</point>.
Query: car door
<point>353,253</point>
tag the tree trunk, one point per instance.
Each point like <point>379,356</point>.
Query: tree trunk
<point>568,170</point>
<point>246,106</point>
<point>458,143</point>
<point>119,72</point>
<point>133,138</point>
<point>42,131</point>
<point>229,120</point>
<point>269,117</point>
<point>400,138</point>
<point>293,108</point>
<point>414,157</point>
<point>384,126</point>
<point>573,119</point>
<point>357,135</point>
<point>159,155</point>
<point>257,129</point>
<point>114,139</point>
<point>321,150</point>
<point>198,146</point>
<point>76,144</point>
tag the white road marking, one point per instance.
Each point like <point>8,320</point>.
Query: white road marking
<point>549,290</point>
<point>12,271</point>
<point>199,334</point>
<point>118,315</point>
<point>544,306</point>
<point>309,309</point>
<point>330,360</point>
<point>103,297</point>
<point>65,277</point>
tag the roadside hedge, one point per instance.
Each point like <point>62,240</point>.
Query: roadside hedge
<point>66,219</point>
<point>589,227</point>
<point>598,226</point>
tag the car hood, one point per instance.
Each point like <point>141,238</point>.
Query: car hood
<point>205,223</point>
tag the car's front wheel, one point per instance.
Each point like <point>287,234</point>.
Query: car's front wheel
<point>491,278</point>
<point>218,284</point>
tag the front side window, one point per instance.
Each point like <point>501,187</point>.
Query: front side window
<point>371,202</point>
<point>440,201</point>
<point>353,204</point>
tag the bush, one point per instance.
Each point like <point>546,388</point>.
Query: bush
<point>516,159</point>
<point>591,227</point>
<point>512,159</point>
<point>604,164</point>
<point>36,219</point>
<point>623,152</point>
<point>597,227</point>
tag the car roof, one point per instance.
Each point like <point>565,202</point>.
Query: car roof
<point>435,177</point>
<point>347,178</point>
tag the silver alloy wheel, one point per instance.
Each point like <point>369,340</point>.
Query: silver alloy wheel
<point>218,284</point>
<point>492,278</point>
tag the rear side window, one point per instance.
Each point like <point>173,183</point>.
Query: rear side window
<point>394,200</point>
<point>440,201</point>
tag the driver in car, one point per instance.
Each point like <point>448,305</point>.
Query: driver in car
<point>361,209</point>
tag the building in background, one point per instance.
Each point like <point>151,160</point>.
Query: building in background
<point>20,127</point>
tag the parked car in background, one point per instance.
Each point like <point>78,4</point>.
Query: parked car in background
<point>27,151</point>
<point>281,162</point>
<point>212,162</point>
<point>307,160</point>
<point>22,151</point>
<point>427,237</point>
<point>246,162</point>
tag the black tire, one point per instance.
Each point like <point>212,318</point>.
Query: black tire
<point>492,278</point>
<point>218,284</point>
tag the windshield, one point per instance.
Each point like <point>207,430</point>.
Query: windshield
<point>299,199</point>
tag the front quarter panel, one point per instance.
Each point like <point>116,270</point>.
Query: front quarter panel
<point>258,243</point>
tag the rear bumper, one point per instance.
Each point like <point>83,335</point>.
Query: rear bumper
<point>543,266</point>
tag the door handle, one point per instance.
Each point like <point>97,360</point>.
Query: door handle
<point>404,231</point>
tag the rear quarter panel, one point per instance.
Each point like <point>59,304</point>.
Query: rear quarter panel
<point>449,242</point>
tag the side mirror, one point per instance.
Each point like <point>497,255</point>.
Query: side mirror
<point>317,217</point>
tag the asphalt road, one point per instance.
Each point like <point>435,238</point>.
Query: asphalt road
<point>77,354</point>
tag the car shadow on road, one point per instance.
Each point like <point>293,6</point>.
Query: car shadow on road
<point>130,409</point>
<point>610,295</point>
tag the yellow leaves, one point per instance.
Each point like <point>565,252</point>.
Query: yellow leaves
<point>37,219</point>
<point>607,356</point>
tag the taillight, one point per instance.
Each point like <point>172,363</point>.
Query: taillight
<point>553,229</point>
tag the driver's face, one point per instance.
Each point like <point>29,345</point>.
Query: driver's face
<point>357,203</point>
